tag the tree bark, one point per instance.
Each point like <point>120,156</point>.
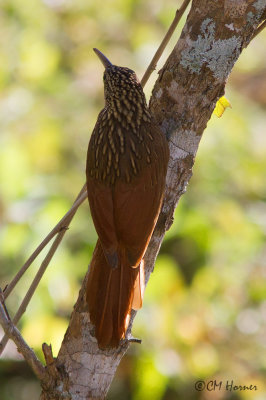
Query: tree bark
<point>187,89</point>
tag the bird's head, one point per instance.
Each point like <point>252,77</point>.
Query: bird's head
<point>121,85</point>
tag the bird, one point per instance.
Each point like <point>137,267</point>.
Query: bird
<point>126,169</point>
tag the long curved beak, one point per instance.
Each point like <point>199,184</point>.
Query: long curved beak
<point>103,59</point>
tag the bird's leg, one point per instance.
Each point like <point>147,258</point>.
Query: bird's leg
<point>132,339</point>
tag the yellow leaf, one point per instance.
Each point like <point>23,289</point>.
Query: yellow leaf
<point>221,105</point>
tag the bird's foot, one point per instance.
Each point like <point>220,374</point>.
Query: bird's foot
<point>132,339</point>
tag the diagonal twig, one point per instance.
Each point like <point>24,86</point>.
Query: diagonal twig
<point>2,301</point>
<point>54,231</point>
<point>43,268</point>
<point>164,43</point>
<point>13,333</point>
<point>259,29</point>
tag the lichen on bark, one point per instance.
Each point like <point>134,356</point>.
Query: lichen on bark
<point>219,55</point>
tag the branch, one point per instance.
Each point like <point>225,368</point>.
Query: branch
<point>50,361</point>
<point>259,30</point>
<point>62,226</point>
<point>13,333</point>
<point>165,41</point>
<point>63,223</point>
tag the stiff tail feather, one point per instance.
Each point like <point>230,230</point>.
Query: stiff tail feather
<point>139,287</point>
<point>111,293</point>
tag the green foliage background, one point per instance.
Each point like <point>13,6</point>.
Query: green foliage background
<point>205,306</point>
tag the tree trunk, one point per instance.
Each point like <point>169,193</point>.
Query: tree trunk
<point>187,89</point>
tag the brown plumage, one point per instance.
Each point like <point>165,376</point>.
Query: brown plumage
<point>126,168</point>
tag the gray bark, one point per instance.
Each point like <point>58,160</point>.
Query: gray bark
<point>184,96</point>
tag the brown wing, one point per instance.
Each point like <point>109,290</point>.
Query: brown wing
<point>100,194</point>
<point>137,205</point>
<point>101,206</point>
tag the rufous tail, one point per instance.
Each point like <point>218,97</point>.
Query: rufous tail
<point>111,293</point>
